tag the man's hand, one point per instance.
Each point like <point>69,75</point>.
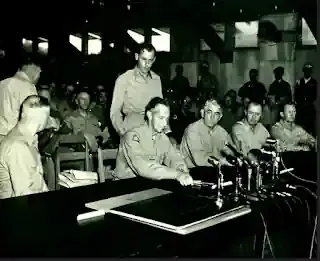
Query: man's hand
<point>53,123</point>
<point>182,168</point>
<point>92,141</point>
<point>185,179</point>
<point>213,161</point>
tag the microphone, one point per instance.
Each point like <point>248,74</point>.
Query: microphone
<point>291,187</point>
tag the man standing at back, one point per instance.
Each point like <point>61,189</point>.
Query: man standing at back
<point>133,90</point>
<point>14,90</point>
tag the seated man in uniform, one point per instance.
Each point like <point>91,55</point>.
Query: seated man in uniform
<point>291,137</point>
<point>249,133</point>
<point>21,170</point>
<point>147,152</point>
<point>205,138</point>
<point>82,121</point>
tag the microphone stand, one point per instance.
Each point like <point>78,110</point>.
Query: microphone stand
<point>276,161</point>
<point>258,178</point>
<point>219,200</point>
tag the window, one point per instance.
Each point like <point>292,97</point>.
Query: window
<point>94,43</point>
<point>160,38</point>
<point>307,35</point>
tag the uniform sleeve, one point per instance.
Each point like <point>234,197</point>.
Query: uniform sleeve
<point>306,138</point>
<point>117,103</point>
<point>239,140</point>
<point>197,155</point>
<point>67,125</point>
<point>139,162</point>
<point>22,172</point>
<point>284,143</point>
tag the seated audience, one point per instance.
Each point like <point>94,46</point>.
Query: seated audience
<point>147,152</point>
<point>229,111</point>
<point>205,139</point>
<point>291,136</point>
<point>21,171</point>
<point>82,121</point>
<point>249,133</point>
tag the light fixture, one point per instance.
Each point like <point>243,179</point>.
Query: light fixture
<point>275,7</point>
<point>240,11</point>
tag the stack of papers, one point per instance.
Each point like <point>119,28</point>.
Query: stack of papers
<point>77,178</point>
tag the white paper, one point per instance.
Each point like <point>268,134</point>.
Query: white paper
<point>114,202</point>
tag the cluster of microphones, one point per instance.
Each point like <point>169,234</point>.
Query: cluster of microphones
<point>257,174</point>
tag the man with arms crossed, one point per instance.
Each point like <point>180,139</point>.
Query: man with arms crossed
<point>133,90</point>
<point>21,170</point>
<point>147,152</point>
<point>291,137</point>
<point>205,139</point>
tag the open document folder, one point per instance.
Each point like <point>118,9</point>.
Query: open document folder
<point>169,211</point>
<point>77,178</point>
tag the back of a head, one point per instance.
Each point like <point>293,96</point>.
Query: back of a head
<point>30,59</point>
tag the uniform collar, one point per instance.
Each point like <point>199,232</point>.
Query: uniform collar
<point>22,76</point>
<point>286,125</point>
<point>210,131</point>
<point>19,134</point>
<point>138,74</point>
<point>254,130</point>
<point>153,135</point>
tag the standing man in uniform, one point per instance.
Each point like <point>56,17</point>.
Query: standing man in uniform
<point>14,90</point>
<point>249,133</point>
<point>147,152</point>
<point>305,98</point>
<point>133,90</point>
<point>253,90</point>
<point>208,82</point>
<point>205,139</point>
<point>21,171</point>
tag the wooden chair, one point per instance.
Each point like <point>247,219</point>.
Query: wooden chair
<point>71,156</point>
<point>106,154</point>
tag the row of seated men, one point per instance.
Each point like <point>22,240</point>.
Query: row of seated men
<point>280,91</point>
<point>146,150</point>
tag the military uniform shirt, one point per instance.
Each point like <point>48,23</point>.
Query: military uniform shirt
<point>289,139</point>
<point>132,92</point>
<point>199,142</point>
<point>247,139</point>
<point>21,171</point>
<point>143,154</point>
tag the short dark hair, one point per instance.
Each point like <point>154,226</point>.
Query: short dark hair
<point>279,70</point>
<point>282,106</point>
<point>43,102</point>
<point>153,103</point>
<point>254,103</point>
<point>148,47</point>
<point>253,71</point>
<point>28,59</point>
